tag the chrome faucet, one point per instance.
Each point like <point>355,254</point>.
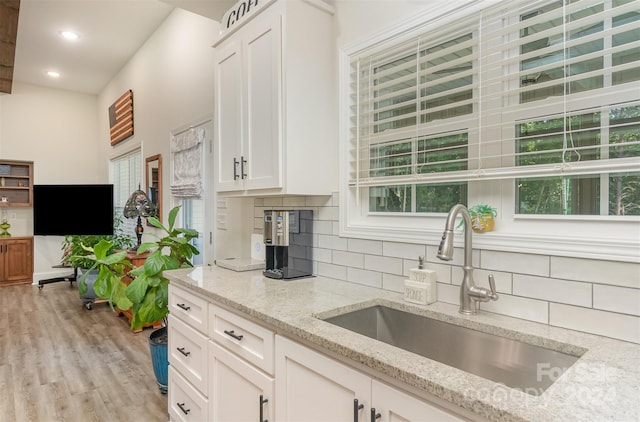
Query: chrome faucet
<point>470,294</point>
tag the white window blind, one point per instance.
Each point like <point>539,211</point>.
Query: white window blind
<point>522,90</point>
<point>187,150</point>
<point>125,173</point>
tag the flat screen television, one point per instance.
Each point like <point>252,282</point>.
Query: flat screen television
<point>60,210</point>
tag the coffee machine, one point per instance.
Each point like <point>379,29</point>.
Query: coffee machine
<point>288,239</point>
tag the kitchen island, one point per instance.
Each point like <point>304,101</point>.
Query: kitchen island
<point>604,383</point>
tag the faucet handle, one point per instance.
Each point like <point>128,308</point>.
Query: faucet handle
<point>492,285</point>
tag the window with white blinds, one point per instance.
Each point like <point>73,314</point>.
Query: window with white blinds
<point>125,172</point>
<point>545,94</point>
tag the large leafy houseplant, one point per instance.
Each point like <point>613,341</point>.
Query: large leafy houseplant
<point>149,290</point>
<point>75,251</point>
<point>147,294</point>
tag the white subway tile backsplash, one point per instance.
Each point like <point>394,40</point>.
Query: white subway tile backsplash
<point>519,307</point>
<point>348,259</point>
<point>503,280</point>
<point>273,201</point>
<point>616,299</point>
<point>625,274</point>
<point>323,227</point>
<point>515,262</point>
<point>609,324</point>
<point>294,201</point>
<point>443,271</point>
<point>448,293</point>
<point>369,278</point>
<point>596,296</point>
<point>403,250</point>
<point>392,282</point>
<point>332,242</point>
<point>335,199</point>
<point>332,271</point>
<point>553,290</point>
<point>319,201</point>
<point>383,264</point>
<point>322,255</point>
<point>371,247</point>
<point>328,213</point>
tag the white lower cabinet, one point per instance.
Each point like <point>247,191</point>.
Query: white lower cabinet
<point>226,368</point>
<point>186,404</point>
<point>313,387</point>
<point>238,391</point>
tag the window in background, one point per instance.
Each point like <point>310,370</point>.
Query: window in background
<point>415,105</point>
<point>125,172</point>
<point>188,188</point>
<point>545,95</point>
<point>533,107</point>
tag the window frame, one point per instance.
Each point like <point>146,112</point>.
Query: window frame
<point>592,236</point>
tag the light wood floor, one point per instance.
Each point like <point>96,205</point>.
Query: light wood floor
<point>62,362</point>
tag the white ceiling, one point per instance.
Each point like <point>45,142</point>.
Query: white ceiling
<point>111,31</point>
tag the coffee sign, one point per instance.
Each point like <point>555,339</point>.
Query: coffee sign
<point>240,12</point>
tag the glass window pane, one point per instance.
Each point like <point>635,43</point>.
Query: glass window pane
<point>391,160</point>
<point>558,195</point>
<point>624,194</point>
<point>624,134</point>
<point>440,197</point>
<point>390,198</point>
<point>443,153</point>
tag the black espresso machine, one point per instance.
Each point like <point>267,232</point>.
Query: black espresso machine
<point>288,239</point>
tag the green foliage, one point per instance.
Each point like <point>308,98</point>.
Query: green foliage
<point>149,290</point>
<point>111,266</point>
<point>479,214</point>
<point>76,248</point>
<point>147,295</point>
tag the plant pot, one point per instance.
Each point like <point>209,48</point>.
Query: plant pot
<point>483,223</point>
<point>90,296</point>
<point>159,359</point>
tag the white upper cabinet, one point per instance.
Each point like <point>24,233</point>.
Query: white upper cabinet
<point>276,103</point>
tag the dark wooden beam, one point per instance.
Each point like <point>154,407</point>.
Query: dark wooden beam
<point>9,11</point>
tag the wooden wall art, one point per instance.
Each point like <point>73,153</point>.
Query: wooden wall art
<point>121,118</point>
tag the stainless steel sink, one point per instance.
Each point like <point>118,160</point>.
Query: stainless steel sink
<point>519,365</point>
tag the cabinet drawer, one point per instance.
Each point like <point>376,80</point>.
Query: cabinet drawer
<point>186,404</point>
<point>188,353</point>
<point>189,308</point>
<point>244,338</point>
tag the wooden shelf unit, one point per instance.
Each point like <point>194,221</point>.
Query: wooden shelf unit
<point>16,183</point>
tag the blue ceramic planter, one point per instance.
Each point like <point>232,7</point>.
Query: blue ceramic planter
<point>159,359</point>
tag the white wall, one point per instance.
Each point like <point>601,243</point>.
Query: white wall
<point>57,131</point>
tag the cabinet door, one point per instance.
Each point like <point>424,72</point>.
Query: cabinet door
<point>312,387</point>
<point>263,142</point>
<point>228,130</point>
<point>238,391</point>
<point>396,406</point>
<point>17,257</point>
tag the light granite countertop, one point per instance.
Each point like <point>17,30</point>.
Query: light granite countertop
<point>603,385</point>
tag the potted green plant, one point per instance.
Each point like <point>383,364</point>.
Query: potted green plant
<point>482,218</point>
<point>76,249</point>
<point>147,294</point>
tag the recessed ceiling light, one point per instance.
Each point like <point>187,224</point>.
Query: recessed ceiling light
<point>69,35</point>
<point>53,74</point>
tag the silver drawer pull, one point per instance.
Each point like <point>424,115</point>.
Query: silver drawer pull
<point>231,333</point>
